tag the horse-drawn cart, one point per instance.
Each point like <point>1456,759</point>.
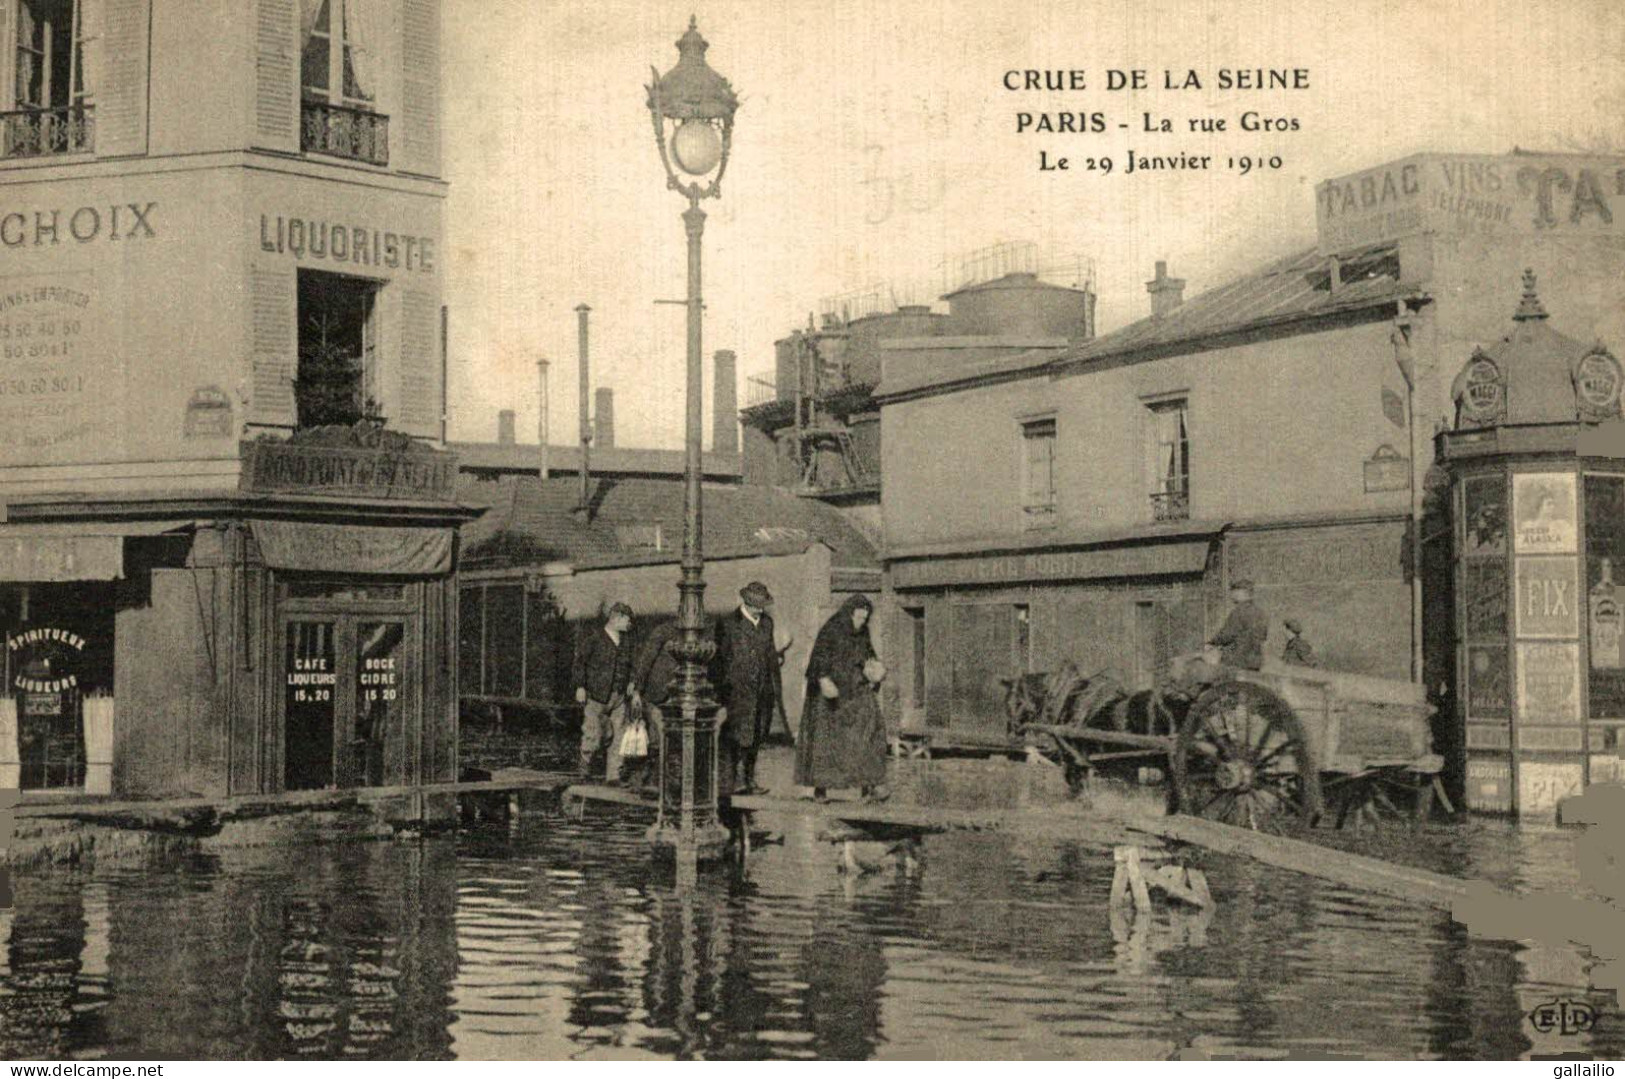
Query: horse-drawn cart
<point>1249,747</point>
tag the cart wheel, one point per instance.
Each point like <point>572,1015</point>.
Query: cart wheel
<point>1383,796</point>
<point>1242,758</point>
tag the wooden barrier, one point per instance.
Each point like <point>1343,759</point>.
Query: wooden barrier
<point>1139,871</point>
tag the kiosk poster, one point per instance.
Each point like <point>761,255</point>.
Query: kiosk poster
<point>1547,592</point>
<point>1543,511</point>
<point>1542,785</point>
<point>1548,682</point>
<point>1487,696</point>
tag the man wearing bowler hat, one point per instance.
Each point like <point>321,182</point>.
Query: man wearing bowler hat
<point>748,685</point>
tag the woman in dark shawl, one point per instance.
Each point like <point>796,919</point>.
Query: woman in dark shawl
<point>842,739</point>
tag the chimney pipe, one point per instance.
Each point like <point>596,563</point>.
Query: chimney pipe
<point>604,417</point>
<point>1166,292</point>
<point>586,421</point>
<point>505,427</point>
<point>724,403</point>
<point>541,418</point>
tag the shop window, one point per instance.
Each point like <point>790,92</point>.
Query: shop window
<point>338,349</point>
<point>1605,572</point>
<point>53,92</point>
<point>504,640</point>
<point>362,591</point>
<point>471,641</point>
<point>1038,471</point>
<point>547,653</point>
<point>58,680</point>
<point>1168,459</point>
<point>340,71</point>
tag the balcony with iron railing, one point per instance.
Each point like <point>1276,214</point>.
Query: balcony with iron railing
<point>70,129</point>
<point>342,131</point>
<point>1173,504</point>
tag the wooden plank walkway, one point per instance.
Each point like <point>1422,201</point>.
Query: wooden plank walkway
<point>1484,908</point>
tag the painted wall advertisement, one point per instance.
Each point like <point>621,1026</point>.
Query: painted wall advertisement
<point>56,372</point>
<point>1460,193</point>
<point>1548,682</point>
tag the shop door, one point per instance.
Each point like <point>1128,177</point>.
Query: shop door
<point>49,735</point>
<point>983,652</point>
<point>346,697</point>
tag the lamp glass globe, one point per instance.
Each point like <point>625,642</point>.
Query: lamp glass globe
<point>697,147</point>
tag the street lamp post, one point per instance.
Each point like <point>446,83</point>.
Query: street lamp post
<point>692,108</point>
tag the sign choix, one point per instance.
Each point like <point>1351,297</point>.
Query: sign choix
<point>352,471</point>
<point>1452,193</point>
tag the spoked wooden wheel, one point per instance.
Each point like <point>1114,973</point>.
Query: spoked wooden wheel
<point>1382,796</point>
<point>1242,758</point>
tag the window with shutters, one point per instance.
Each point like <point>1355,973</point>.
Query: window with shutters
<point>55,54</point>
<point>338,346</point>
<point>341,71</point>
<point>1168,458</point>
<point>1038,471</point>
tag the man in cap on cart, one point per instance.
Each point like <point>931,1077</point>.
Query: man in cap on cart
<point>1241,640</point>
<point>1239,644</point>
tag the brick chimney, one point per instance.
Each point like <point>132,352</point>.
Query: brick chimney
<point>724,403</point>
<point>603,428</point>
<point>1167,292</point>
<point>505,420</point>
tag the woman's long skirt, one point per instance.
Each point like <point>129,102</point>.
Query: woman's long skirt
<point>841,743</point>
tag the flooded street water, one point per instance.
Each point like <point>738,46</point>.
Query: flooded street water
<point>553,938</point>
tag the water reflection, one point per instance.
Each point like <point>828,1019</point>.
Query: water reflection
<point>553,938</point>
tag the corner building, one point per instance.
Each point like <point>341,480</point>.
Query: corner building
<point>227,520</point>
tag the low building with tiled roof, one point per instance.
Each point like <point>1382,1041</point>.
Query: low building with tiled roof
<point>1088,505</point>
<point>537,570</point>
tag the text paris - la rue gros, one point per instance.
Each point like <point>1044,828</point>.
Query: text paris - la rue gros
<point>1268,120</point>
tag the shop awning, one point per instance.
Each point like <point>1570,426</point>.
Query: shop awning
<point>331,548</point>
<point>1140,560</point>
<point>88,551</point>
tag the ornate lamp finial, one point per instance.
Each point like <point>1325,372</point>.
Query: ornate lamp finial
<point>692,41</point>
<point>1529,307</point>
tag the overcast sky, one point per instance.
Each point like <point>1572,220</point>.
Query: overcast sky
<point>876,140</point>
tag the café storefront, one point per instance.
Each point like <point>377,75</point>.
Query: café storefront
<point>295,634</point>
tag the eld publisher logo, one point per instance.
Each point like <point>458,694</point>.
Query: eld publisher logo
<point>1564,1017</point>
